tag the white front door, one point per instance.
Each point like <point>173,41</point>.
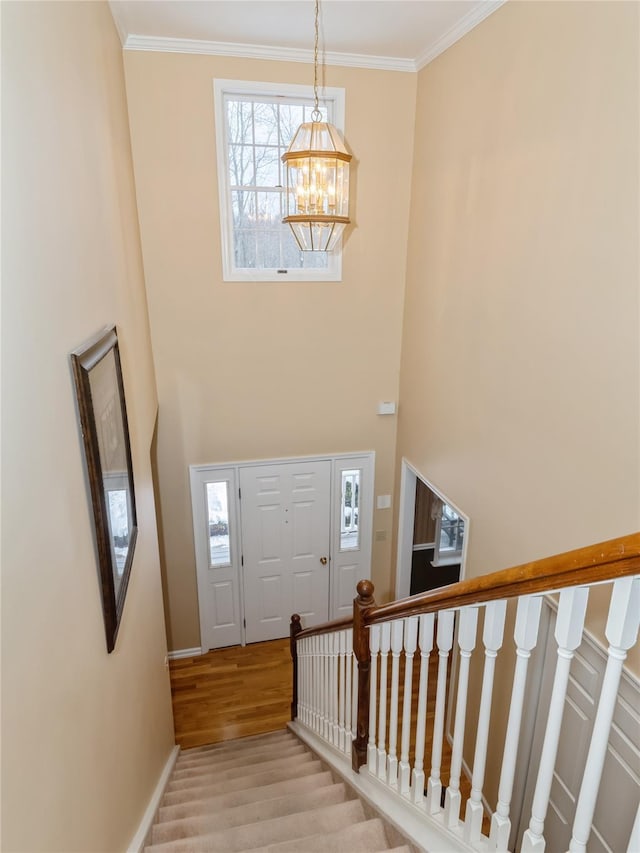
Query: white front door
<point>285,511</point>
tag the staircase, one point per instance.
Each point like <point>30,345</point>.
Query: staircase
<point>267,794</point>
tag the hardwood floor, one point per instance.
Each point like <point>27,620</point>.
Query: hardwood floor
<point>231,693</point>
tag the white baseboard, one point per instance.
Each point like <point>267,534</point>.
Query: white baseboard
<point>184,653</point>
<point>139,839</point>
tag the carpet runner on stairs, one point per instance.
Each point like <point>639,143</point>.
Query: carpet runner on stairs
<point>267,794</point>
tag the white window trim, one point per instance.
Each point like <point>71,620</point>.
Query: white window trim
<point>221,88</point>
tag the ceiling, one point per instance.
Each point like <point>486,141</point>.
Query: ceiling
<point>400,34</point>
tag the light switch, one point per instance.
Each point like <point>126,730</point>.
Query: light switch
<point>383,501</point>
<point>387,407</point>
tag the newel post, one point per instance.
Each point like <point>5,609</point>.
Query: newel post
<point>361,650</point>
<point>294,630</point>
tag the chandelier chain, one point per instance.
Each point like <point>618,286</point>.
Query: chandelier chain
<point>316,115</point>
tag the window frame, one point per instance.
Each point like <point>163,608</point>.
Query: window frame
<point>334,99</point>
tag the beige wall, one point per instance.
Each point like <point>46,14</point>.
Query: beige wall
<point>520,359</point>
<point>258,370</point>
<point>84,734</point>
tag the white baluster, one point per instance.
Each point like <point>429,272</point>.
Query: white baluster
<point>342,651</point>
<point>316,683</point>
<point>335,651</point>
<point>320,687</point>
<point>634,838</point>
<point>354,697</point>
<point>374,647</point>
<point>426,644</point>
<point>466,642</point>
<point>410,643</point>
<point>444,641</point>
<point>327,687</point>
<point>385,646</point>
<point>347,690</point>
<point>397,630</point>
<point>302,672</point>
<point>622,633</point>
<point>309,681</point>
<point>526,637</point>
<point>568,634</point>
<point>492,634</point>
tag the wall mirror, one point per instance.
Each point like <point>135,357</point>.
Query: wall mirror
<point>103,421</point>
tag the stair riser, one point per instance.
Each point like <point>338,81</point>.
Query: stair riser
<point>330,819</point>
<point>204,765</point>
<point>245,797</point>
<point>242,743</point>
<point>258,811</point>
<point>230,785</point>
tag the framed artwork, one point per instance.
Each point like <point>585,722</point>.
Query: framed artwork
<point>103,421</point>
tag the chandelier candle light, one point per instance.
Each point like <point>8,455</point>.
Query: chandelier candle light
<point>317,178</point>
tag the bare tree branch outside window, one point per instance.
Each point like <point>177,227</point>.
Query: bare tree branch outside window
<point>259,131</point>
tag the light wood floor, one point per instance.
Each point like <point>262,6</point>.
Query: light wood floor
<point>231,693</point>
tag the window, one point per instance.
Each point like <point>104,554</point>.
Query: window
<point>350,510</point>
<point>449,536</point>
<point>254,126</point>
<point>218,519</point>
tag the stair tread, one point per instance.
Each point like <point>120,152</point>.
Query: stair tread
<point>244,797</point>
<point>244,815</point>
<point>265,777</point>
<point>239,771</point>
<point>329,819</point>
<point>242,742</point>
<point>230,760</point>
<point>367,836</point>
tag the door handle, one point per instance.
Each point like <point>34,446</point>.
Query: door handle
<point>323,560</point>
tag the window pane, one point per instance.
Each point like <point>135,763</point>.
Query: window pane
<point>239,121</point>
<point>218,513</point>
<point>291,116</point>
<point>451,530</point>
<point>267,167</point>
<point>245,248</point>
<point>349,511</point>
<point>265,124</point>
<point>241,171</point>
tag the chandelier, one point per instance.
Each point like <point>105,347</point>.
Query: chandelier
<point>317,177</point>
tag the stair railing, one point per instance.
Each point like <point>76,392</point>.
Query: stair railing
<point>346,693</point>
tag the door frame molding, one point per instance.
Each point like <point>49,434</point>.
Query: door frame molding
<point>409,475</point>
<point>195,479</point>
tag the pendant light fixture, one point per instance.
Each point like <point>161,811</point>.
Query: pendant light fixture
<point>317,177</point>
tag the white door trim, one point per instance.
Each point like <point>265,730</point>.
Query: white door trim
<point>409,474</point>
<point>200,471</point>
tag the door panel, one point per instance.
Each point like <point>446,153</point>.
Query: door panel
<point>285,533</point>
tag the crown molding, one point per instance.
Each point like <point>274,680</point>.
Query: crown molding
<point>256,51</point>
<point>288,54</point>
<point>464,25</point>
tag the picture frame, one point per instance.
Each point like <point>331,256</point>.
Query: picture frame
<point>102,413</point>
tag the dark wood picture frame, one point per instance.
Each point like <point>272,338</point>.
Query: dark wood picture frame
<point>103,420</point>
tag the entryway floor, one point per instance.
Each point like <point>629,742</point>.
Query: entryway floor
<point>231,693</point>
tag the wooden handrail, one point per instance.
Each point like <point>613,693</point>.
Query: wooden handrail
<point>326,627</point>
<point>603,562</point>
<point>606,561</point>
